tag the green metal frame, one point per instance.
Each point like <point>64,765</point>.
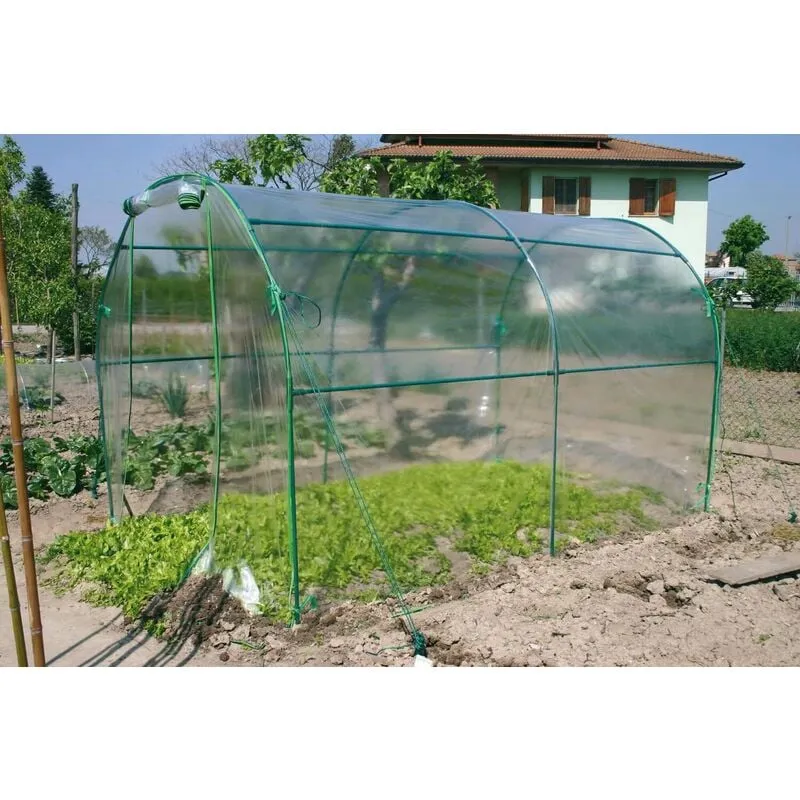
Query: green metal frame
<point>711,311</point>
<point>101,311</point>
<point>292,391</point>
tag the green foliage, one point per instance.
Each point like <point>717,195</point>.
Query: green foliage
<point>89,288</point>
<point>95,247</point>
<point>768,282</point>
<point>763,340</point>
<point>37,398</point>
<point>62,467</point>
<point>175,396</point>
<point>270,160</point>
<point>440,178</point>
<point>177,296</point>
<point>38,250</point>
<point>357,176</point>
<point>39,190</point>
<point>174,450</point>
<point>742,237</point>
<point>66,467</point>
<point>724,292</point>
<point>488,511</point>
<point>12,166</point>
<point>342,147</point>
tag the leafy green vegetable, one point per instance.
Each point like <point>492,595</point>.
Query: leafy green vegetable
<point>175,396</point>
<point>61,474</point>
<point>486,510</point>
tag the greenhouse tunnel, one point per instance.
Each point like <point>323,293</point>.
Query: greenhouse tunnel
<point>323,341</point>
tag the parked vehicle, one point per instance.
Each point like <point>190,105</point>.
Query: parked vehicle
<point>739,300</point>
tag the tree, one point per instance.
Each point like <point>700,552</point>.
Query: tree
<point>441,178</point>
<point>269,159</point>
<point>12,167</point>
<point>39,190</point>
<point>233,158</point>
<point>358,176</point>
<point>96,249</point>
<point>741,238</point>
<point>38,250</point>
<point>768,282</point>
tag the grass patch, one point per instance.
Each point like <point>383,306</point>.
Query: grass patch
<point>763,340</point>
<point>485,510</point>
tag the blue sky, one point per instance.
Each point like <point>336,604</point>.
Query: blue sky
<point>109,168</point>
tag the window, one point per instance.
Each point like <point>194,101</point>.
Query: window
<point>566,195</point>
<point>652,197</point>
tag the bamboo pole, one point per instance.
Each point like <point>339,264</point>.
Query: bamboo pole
<point>75,319</point>
<point>52,375</point>
<point>28,555</point>
<point>11,585</point>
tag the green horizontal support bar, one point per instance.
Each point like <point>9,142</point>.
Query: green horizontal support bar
<point>497,376</point>
<point>465,254</point>
<point>357,387</point>
<point>457,234</point>
<point>177,359</point>
<point>341,226</point>
<point>361,253</point>
<point>622,367</point>
<point>188,247</point>
<point>335,250</point>
<point>613,248</point>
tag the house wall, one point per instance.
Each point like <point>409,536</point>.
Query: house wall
<point>508,186</point>
<point>686,230</point>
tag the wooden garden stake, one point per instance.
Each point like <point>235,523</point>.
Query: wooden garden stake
<point>11,585</point>
<point>28,555</point>
<point>52,375</point>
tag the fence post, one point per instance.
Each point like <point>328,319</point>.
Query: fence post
<point>723,315</point>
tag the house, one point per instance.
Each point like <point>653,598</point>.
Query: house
<point>594,175</point>
<point>792,264</point>
<point>718,261</point>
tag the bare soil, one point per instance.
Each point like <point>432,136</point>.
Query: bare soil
<point>636,599</point>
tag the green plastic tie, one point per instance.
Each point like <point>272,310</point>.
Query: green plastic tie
<point>700,489</point>
<point>277,296</point>
<point>309,602</point>
<point>793,516</point>
<point>500,329</point>
<point>105,311</point>
<point>420,645</point>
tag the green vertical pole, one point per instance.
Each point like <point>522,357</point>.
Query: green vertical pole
<point>130,359</point>
<point>104,312</point>
<point>716,410</point>
<point>218,389</point>
<point>526,257</point>
<point>337,299</point>
<point>294,551</point>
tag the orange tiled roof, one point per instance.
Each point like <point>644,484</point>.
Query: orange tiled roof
<point>567,148</point>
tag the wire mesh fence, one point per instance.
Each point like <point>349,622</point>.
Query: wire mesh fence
<point>760,407</point>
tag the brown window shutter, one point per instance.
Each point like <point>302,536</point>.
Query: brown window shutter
<point>525,192</point>
<point>636,203</point>
<point>548,195</point>
<point>666,201</point>
<point>584,196</point>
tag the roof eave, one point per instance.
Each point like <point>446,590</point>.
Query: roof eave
<point>713,167</point>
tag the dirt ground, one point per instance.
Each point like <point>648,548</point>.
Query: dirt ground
<point>639,599</point>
